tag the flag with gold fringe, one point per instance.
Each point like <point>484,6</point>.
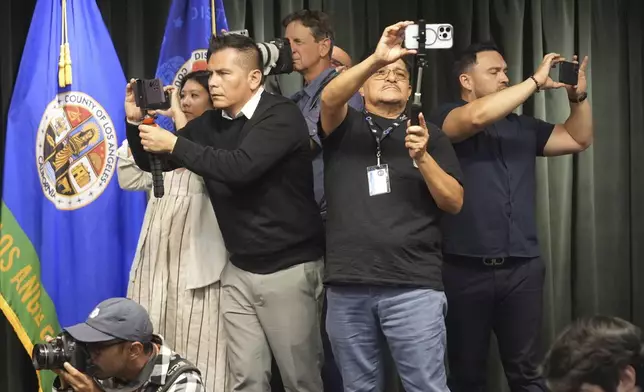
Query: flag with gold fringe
<point>68,233</point>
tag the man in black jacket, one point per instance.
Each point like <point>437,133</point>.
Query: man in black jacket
<point>254,155</point>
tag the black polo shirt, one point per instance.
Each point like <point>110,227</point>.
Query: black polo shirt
<point>498,163</point>
<point>391,239</point>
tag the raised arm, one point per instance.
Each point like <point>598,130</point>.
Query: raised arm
<point>576,133</point>
<point>336,95</point>
<point>465,121</point>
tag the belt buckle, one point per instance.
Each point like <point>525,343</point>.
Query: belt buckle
<point>493,262</point>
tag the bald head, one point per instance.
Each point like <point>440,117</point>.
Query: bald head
<point>340,58</point>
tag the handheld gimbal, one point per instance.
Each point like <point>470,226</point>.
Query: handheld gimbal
<point>420,62</point>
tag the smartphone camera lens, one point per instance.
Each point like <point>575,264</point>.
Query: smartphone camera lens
<point>448,29</point>
<point>444,35</point>
<point>441,29</point>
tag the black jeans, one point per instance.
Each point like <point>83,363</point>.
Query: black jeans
<point>504,296</point>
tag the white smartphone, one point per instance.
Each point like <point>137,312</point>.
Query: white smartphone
<point>437,36</point>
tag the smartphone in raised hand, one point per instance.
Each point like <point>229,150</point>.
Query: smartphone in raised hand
<point>568,73</point>
<point>437,36</point>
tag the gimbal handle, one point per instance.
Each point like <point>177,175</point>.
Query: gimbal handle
<point>420,62</point>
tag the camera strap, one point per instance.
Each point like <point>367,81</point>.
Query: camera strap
<point>316,97</point>
<point>176,368</point>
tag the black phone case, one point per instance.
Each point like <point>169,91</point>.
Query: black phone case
<point>568,73</point>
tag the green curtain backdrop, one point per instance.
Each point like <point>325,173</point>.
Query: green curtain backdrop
<point>590,207</point>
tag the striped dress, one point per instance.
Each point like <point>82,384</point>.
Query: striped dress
<point>176,269</point>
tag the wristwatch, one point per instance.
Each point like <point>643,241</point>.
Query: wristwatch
<point>579,99</point>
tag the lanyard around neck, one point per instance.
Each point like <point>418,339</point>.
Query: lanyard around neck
<point>374,131</point>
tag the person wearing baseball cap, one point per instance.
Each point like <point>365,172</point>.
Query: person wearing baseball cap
<point>125,355</point>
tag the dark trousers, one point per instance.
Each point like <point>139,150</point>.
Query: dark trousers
<point>504,296</point>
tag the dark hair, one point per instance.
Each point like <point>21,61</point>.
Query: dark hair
<point>250,56</point>
<point>200,77</point>
<point>317,21</point>
<point>148,347</point>
<point>467,57</point>
<point>595,351</point>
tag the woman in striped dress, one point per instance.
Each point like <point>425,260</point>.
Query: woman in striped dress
<point>181,253</point>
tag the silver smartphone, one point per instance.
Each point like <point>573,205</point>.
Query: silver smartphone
<point>437,36</point>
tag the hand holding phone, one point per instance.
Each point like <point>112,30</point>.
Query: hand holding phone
<point>437,36</point>
<point>568,73</point>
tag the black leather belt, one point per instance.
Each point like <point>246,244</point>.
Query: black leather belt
<point>493,262</point>
<point>485,261</point>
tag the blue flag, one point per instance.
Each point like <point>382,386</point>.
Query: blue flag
<point>68,233</point>
<point>185,42</point>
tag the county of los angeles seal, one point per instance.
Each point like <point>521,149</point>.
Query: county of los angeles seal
<point>75,150</point>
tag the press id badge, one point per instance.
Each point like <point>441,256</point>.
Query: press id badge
<point>378,177</point>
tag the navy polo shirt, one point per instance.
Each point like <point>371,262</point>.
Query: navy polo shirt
<point>308,100</point>
<point>499,181</point>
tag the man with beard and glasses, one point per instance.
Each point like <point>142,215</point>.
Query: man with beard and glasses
<point>493,273</point>
<point>125,354</point>
<point>388,184</point>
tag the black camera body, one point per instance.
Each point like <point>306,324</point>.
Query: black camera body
<point>277,56</point>
<point>568,73</point>
<point>63,348</point>
<point>149,94</point>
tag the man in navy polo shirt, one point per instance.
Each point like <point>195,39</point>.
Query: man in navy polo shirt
<point>387,185</point>
<point>493,274</point>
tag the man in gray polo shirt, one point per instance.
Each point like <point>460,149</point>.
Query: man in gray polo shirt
<point>125,355</point>
<point>311,36</point>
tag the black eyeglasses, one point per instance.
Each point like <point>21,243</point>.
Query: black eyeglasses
<point>384,74</point>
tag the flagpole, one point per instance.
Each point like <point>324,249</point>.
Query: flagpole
<point>61,59</point>
<point>65,59</point>
<point>68,57</point>
<point>213,17</point>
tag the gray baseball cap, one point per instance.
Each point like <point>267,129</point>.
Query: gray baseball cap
<point>114,318</point>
